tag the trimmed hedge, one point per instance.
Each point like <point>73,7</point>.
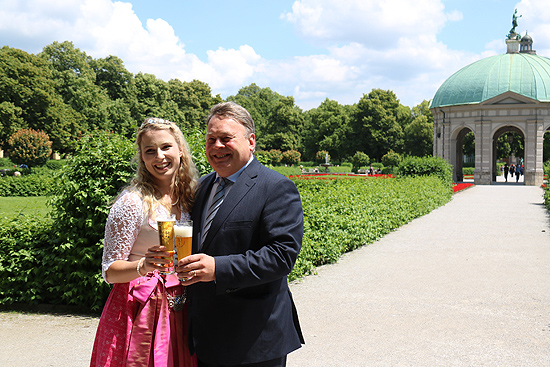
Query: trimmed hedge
<point>30,185</point>
<point>344,214</point>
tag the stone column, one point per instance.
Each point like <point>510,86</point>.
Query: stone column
<point>533,165</point>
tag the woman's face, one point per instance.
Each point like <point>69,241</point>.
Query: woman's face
<point>161,154</point>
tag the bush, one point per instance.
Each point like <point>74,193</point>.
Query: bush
<point>195,139</point>
<point>30,147</point>
<point>23,270</point>
<point>55,164</point>
<point>359,160</point>
<point>342,214</point>
<point>417,166</point>
<point>291,157</point>
<point>391,159</point>
<point>85,189</point>
<point>468,170</point>
<point>30,185</point>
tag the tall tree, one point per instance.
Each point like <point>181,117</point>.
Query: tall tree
<point>29,99</point>
<point>285,126</point>
<point>376,125</point>
<point>193,101</point>
<point>327,127</point>
<point>76,78</point>
<point>418,135</point>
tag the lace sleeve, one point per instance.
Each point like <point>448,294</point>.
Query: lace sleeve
<point>122,228</point>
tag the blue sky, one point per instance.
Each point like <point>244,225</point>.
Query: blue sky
<point>308,49</point>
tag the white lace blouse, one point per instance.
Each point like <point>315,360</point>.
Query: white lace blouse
<point>129,231</point>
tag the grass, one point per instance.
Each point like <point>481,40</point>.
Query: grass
<point>14,205</point>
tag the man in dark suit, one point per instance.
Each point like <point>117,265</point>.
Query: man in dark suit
<point>248,228</point>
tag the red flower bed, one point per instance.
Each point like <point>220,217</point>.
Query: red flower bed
<point>328,176</point>
<point>461,186</point>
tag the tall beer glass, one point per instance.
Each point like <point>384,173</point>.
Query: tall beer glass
<point>166,238</point>
<point>184,239</point>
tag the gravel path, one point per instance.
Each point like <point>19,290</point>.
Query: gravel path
<point>466,285</point>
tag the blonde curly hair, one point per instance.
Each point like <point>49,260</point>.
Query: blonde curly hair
<point>186,176</point>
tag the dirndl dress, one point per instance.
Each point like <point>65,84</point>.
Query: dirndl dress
<point>144,324</point>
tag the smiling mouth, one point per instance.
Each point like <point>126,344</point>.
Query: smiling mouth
<point>220,156</point>
<point>162,166</point>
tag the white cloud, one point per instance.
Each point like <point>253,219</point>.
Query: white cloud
<point>367,44</point>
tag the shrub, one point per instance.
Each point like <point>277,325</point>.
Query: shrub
<point>276,156</point>
<point>196,141</point>
<point>23,270</point>
<point>417,166</point>
<point>359,160</point>
<point>55,164</point>
<point>291,157</point>
<point>468,170</point>
<point>391,159</point>
<point>30,147</point>
<point>342,214</point>
<point>85,189</point>
<point>31,185</point>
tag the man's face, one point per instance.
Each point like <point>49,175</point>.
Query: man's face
<point>228,148</point>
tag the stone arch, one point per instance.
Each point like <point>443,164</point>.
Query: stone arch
<point>508,128</point>
<point>457,143</point>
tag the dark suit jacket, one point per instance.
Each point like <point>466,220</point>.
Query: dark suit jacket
<point>248,314</point>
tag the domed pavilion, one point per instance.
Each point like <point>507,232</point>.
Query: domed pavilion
<point>491,97</point>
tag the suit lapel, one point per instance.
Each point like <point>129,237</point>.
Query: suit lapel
<point>238,191</point>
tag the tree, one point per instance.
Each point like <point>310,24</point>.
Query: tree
<point>193,101</point>
<point>30,99</point>
<point>327,127</point>
<point>418,137</point>
<point>418,133</point>
<point>76,79</point>
<point>285,126</point>
<point>375,124</point>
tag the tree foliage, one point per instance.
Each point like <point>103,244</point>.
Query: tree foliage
<point>30,147</point>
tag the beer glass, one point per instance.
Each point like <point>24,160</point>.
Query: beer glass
<point>184,239</point>
<point>166,238</point>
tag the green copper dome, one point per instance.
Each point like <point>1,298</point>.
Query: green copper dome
<point>522,73</point>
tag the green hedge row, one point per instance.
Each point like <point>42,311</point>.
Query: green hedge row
<point>37,266</point>
<point>31,185</point>
<point>344,214</point>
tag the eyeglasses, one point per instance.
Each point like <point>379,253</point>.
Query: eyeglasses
<point>155,120</point>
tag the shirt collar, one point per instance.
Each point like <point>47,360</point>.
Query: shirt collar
<point>233,178</point>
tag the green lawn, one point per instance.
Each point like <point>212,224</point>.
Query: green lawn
<point>14,205</point>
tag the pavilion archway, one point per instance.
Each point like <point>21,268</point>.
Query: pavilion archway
<point>498,133</point>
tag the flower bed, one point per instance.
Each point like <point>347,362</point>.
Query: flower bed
<point>328,176</point>
<point>461,186</point>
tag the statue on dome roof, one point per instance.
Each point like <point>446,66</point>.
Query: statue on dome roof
<point>513,33</point>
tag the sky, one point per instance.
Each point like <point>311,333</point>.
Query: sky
<point>309,49</point>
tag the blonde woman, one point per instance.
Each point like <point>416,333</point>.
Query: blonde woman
<point>144,321</point>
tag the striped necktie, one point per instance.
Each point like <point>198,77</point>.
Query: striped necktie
<point>213,209</point>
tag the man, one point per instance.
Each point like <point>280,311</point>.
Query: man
<point>241,309</point>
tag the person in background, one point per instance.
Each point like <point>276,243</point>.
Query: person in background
<point>246,239</point>
<point>506,170</point>
<point>144,321</point>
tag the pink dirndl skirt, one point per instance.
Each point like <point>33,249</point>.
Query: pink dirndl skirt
<point>142,324</point>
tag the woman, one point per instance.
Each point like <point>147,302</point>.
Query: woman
<point>144,321</point>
